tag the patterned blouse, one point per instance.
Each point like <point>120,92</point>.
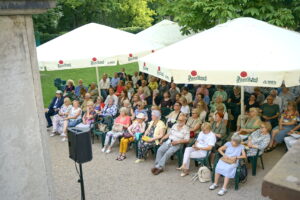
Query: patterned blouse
<point>109,111</point>
<point>260,140</point>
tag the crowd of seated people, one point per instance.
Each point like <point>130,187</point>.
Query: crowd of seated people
<point>164,117</point>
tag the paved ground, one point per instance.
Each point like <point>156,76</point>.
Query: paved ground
<point>108,179</point>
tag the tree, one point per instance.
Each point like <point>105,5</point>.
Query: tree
<point>196,15</point>
<point>134,13</point>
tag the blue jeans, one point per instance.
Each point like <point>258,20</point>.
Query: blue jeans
<point>279,138</point>
<point>73,123</point>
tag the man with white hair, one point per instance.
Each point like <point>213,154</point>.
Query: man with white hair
<point>178,135</point>
<point>53,108</point>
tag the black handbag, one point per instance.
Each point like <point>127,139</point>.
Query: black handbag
<point>170,124</point>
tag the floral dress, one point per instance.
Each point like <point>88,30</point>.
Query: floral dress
<point>260,140</point>
<point>143,147</point>
<point>58,120</point>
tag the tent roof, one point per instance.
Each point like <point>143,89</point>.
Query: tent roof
<point>242,44</point>
<point>165,32</point>
<point>93,40</point>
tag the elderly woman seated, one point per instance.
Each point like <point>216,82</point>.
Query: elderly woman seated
<point>121,123</point>
<point>72,119</point>
<point>259,139</point>
<point>58,119</point>
<point>110,109</point>
<point>252,124</point>
<point>220,109</point>
<point>178,135</point>
<point>194,123</point>
<point>153,134</point>
<point>205,142</point>
<point>140,109</point>
<point>294,135</point>
<point>219,128</point>
<point>287,122</point>
<point>134,130</point>
<point>88,117</point>
<point>227,165</point>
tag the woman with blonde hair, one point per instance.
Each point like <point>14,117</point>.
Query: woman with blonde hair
<point>259,139</point>
<point>185,108</point>
<point>194,123</point>
<point>252,124</point>
<point>205,142</point>
<point>88,117</point>
<point>58,119</point>
<point>202,108</point>
<point>70,88</point>
<point>287,122</point>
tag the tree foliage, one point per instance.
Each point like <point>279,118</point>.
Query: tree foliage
<point>197,15</point>
<point>192,15</point>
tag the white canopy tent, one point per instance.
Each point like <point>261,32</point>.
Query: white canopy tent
<point>92,45</point>
<point>165,33</point>
<point>243,51</point>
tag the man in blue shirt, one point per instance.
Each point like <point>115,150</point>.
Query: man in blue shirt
<point>115,80</point>
<point>78,88</point>
<point>54,107</point>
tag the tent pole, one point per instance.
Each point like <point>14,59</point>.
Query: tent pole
<point>98,84</point>
<point>242,107</point>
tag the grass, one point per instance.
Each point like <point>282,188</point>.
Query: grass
<point>88,75</point>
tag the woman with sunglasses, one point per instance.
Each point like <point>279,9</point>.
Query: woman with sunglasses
<point>140,109</point>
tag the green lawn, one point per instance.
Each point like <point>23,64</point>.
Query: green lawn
<point>88,75</point>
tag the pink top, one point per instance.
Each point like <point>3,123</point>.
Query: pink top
<point>123,120</point>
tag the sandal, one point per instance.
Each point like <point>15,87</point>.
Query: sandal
<point>269,149</point>
<point>122,158</point>
<point>180,168</point>
<point>119,157</point>
<point>184,173</point>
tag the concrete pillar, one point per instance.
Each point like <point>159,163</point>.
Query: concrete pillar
<point>25,171</point>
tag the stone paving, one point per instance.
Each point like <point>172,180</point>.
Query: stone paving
<point>108,179</point>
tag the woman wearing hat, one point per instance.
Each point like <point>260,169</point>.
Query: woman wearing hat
<point>137,127</point>
<point>153,134</point>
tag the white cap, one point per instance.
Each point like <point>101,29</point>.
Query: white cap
<point>58,92</point>
<point>140,116</point>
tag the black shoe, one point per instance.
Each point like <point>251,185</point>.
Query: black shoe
<point>49,126</point>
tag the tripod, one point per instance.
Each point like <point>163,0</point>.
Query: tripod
<point>80,180</point>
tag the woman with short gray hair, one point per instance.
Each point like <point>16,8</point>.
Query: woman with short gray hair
<point>231,152</point>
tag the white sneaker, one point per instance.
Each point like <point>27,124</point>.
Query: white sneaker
<point>63,135</point>
<point>64,139</point>
<point>222,192</point>
<point>103,149</point>
<point>52,134</point>
<point>108,151</point>
<point>139,160</point>
<point>213,186</point>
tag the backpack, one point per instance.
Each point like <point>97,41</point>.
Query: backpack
<point>243,172</point>
<point>204,174</point>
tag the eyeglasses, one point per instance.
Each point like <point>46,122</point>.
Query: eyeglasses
<point>194,113</point>
<point>139,105</point>
<point>262,127</point>
<point>176,105</point>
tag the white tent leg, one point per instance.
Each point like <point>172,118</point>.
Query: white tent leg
<point>242,107</point>
<point>98,81</point>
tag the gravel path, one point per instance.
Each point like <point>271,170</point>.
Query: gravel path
<point>108,179</point>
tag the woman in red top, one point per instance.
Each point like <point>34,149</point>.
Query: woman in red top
<point>120,88</point>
